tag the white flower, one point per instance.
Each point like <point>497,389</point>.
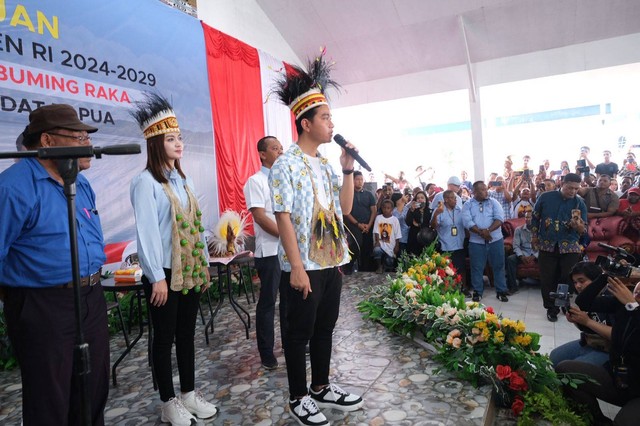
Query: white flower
<point>448,271</point>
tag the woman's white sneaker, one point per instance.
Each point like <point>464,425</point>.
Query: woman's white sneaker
<point>174,412</point>
<point>195,403</point>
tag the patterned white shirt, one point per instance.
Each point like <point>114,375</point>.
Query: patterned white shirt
<point>292,192</point>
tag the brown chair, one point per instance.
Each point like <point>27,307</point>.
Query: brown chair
<point>508,230</point>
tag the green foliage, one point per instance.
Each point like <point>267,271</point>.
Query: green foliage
<point>471,340</point>
<point>8,360</point>
<point>553,407</point>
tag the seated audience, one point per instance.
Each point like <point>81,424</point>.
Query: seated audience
<point>630,207</point>
<point>418,218</point>
<point>618,381</point>
<point>595,327</point>
<point>601,201</point>
<point>387,234</point>
<point>523,252</point>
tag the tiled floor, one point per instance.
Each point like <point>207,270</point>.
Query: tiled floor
<point>392,373</point>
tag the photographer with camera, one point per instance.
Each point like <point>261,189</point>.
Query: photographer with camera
<point>618,381</point>
<point>601,201</point>
<point>559,219</point>
<point>418,218</point>
<point>595,327</point>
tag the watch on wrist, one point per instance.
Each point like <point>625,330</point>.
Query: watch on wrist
<point>632,306</point>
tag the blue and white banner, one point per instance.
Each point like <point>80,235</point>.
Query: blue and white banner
<point>99,56</point>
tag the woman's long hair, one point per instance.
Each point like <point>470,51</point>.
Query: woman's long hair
<point>157,161</point>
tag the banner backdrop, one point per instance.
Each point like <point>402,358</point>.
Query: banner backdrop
<point>99,56</point>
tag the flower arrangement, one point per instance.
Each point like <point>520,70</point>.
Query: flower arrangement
<point>471,340</point>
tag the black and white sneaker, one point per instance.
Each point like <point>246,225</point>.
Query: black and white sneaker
<point>476,297</point>
<point>333,396</point>
<point>306,412</point>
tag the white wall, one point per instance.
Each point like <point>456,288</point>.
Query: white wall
<point>245,20</point>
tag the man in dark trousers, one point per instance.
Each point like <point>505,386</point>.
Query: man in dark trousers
<point>36,276</point>
<point>559,219</point>
<point>359,222</point>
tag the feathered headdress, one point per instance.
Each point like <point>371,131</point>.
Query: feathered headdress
<point>228,234</point>
<point>155,115</point>
<point>302,90</point>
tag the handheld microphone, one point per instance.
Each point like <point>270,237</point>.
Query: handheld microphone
<point>352,152</point>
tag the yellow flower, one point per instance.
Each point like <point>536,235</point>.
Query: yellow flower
<point>491,318</point>
<point>408,286</point>
<point>520,326</point>
<point>498,336</point>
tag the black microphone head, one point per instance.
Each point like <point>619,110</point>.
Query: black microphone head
<point>340,140</point>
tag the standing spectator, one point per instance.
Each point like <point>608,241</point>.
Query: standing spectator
<point>163,201</point>
<point>400,212</point>
<point>607,167</point>
<point>483,217</point>
<point>559,220</point>
<point>309,205</point>
<point>502,195</point>
<point>629,164</point>
<point>418,219</point>
<point>523,252</point>
<point>387,191</point>
<point>453,184</point>
<point>447,221</point>
<point>584,155</point>
<point>523,204</point>
<point>465,182</point>
<point>359,222</point>
<point>387,234</point>
<point>258,198</point>
<point>36,275</point>
<point>601,201</point>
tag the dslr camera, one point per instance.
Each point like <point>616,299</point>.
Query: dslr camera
<point>561,297</point>
<point>613,267</point>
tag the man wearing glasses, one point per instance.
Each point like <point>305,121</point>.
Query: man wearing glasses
<point>36,276</point>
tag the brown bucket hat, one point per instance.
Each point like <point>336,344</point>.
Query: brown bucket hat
<point>56,116</point>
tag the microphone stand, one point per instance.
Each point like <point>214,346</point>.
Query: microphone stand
<point>66,159</point>
<point>68,169</point>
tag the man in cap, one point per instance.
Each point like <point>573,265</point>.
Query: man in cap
<point>630,207</point>
<point>36,275</point>
<point>453,184</point>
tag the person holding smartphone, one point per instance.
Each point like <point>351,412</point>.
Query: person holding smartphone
<point>418,218</point>
<point>502,195</point>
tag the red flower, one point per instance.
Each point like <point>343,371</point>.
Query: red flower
<point>441,273</point>
<point>517,406</point>
<point>517,383</point>
<point>489,309</point>
<point>503,372</point>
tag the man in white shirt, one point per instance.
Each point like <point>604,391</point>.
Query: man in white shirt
<point>258,198</point>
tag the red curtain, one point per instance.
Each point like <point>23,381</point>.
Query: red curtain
<point>236,103</point>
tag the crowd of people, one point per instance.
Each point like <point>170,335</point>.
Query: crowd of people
<point>556,207</point>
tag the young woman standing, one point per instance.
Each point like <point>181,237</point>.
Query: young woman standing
<point>172,254</point>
